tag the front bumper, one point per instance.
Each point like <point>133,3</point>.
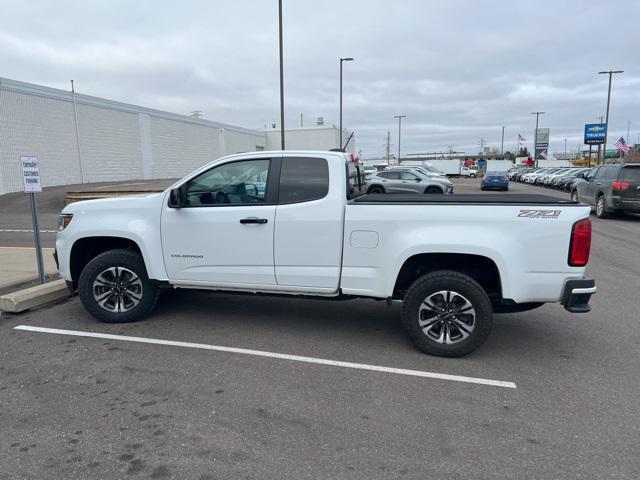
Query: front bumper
<point>577,293</point>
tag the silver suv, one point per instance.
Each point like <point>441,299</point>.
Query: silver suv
<point>406,180</point>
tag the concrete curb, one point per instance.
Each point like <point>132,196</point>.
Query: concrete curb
<point>34,296</point>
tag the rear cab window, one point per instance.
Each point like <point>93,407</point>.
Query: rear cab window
<point>303,179</point>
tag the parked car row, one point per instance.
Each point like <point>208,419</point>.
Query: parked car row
<point>608,188</point>
<point>562,178</point>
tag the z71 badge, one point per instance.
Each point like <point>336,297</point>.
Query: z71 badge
<point>539,213</point>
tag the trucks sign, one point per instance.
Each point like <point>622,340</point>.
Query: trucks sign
<point>542,144</point>
<point>594,133</point>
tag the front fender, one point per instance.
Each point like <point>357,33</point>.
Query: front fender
<point>136,219</point>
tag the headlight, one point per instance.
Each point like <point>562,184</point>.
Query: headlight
<point>64,220</point>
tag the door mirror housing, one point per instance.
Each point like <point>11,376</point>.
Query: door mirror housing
<point>418,180</point>
<point>580,175</point>
<point>177,197</point>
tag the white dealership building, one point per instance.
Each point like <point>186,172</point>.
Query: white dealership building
<point>83,139</point>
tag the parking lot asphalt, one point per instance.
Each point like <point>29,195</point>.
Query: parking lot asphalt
<point>85,407</point>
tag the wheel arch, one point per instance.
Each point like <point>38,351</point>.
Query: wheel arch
<point>479,267</point>
<point>85,249</point>
<point>376,185</point>
<point>433,186</point>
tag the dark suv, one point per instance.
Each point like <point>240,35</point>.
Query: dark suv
<point>610,188</point>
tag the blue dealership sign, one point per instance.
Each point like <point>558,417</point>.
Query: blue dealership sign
<point>594,133</point>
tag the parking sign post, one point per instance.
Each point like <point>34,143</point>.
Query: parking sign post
<point>32,185</point>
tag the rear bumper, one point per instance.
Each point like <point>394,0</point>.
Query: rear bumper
<point>577,293</point>
<point>496,186</point>
<point>622,204</point>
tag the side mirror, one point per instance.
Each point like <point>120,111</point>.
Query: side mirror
<point>177,197</point>
<point>580,175</point>
<point>418,180</point>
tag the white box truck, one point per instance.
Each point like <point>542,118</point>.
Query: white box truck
<point>450,167</point>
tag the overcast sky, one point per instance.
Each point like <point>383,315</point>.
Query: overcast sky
<point>459,70</point>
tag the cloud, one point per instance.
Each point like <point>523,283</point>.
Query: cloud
<point>458,69</point>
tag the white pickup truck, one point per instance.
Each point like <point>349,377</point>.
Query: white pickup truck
<point>294,223</point>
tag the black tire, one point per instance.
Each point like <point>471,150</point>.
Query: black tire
<point>601,210</point>
<point>432,190</point>
<point>463,287</point>
<point>375,190</point>
<point>146,291</point>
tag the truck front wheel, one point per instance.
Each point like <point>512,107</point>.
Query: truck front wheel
<point>447,314</point>
<point>114,287</point>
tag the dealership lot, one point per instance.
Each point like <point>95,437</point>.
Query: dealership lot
<point>95,407</point>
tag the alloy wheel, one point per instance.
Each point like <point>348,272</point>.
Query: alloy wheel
<point>446,317</point>
<point>117,289</point>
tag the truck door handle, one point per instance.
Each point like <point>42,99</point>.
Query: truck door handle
<point>253,220</point>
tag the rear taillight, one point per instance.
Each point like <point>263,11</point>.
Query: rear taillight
<point>620,185</point>
<point>580,245</point>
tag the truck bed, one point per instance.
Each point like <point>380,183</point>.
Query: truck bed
<point>474,198</point>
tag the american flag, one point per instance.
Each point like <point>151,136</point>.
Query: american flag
<point>620,145</point>
<point>521,138</point>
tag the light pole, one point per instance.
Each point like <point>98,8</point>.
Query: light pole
<point>281,76</point>
<point>535,136</point>
<point>606,132</point>
<point>399,117</point>
<point>347,59</point>
<point>565,148</point>
<point>502,142</point>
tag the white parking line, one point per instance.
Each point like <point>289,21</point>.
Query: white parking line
<point>281,356</point>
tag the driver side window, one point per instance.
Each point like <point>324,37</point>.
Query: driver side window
<point>408,176</point>
<point>235,183</point>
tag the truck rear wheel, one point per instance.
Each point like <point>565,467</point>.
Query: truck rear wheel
<point>114,287</point>
<point>447,314</point>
